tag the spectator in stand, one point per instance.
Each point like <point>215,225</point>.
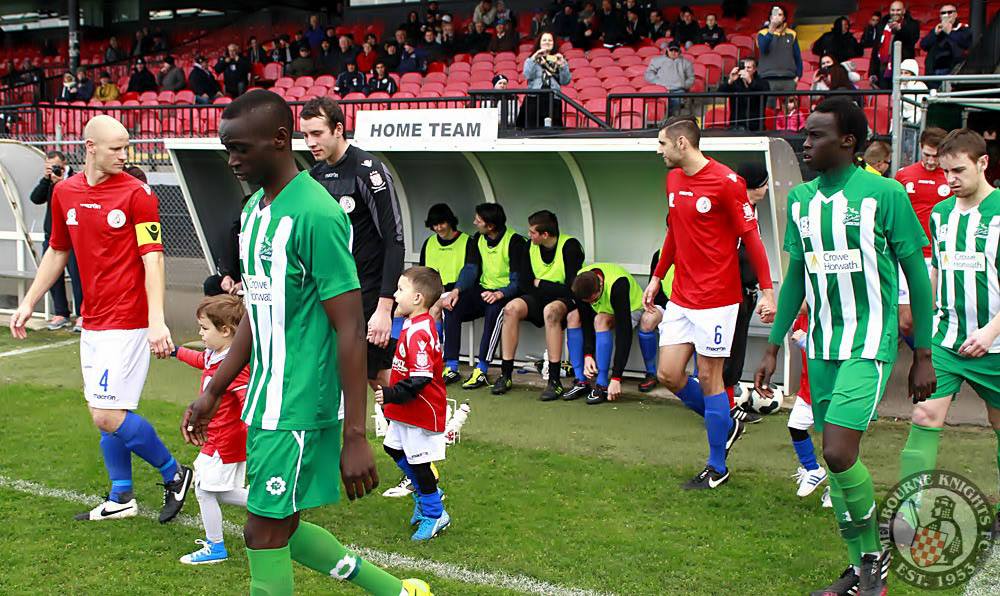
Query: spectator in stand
<point>635,29</point>
<point>255,53</point>
<point>791,118</point>
<point>780,58</point>
<point>673,72</point>
<point>159,43</point>
<point>947,44</point>
<point>412,25</point>
<point>282,52</point>
<point>107,90</point>
<point>686,30</point>
<point>202,82</point>
<point>170,78</point>
<point>485,13</point>
<point>747,112</point>
<point>587,33</point>
<point>430,48</point>
<point>450,44</point>
<point>540,24</point>
<point>589,9</point>
<point>546,68</point>
<point>381,81</point>
<point>505,14</point>
<point>503,40</point>
<point>327,59</point>
<point>331,34</point>
<point>235,71</point>
<point>658,28</point>
<point>398,39</point>
<point>303,66</point>
<point>84,85</point>
<point>366,59</point>
<point>141,80</point>
<point>899,26</point>
<point>612,25</point>
<point>639,10</point>
<point>114,53</point>
<point>348,52</point>
<point>351,81</point>
<point>411,60</point>
<point>478,39</point>
<point>835,78</point>
<point>143,43</point>
<point>68,90</point>
<point>433,11</point>
<point>712,33</point>
<point>911,114</point>
<point>298,42</point>
<point>823,75</point>
<point>564,23</point>
<point>390,57</point>
<point>871,34</point>
<point>838,42</point>
<point>372,39</point>
<point>314,33</point>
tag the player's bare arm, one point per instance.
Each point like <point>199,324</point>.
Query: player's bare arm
<point>789,302</point>
<point>200,411</point>
<point>380,324</point>
<point>357,463</point>
<point>922,380</point>
<point>666,260</point>
<point>49,271</point>
<point>156,287</point>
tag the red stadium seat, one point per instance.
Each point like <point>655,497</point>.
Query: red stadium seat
<point>434,87</point>
<point>648,52</point>
<point>697,50</point>
<point>185,97</point>
<point>378,95</point>
<point>588,82</point>
<point>713,67</point>
<point>878,119</point>
<point>482,66</point>
<point>482,57</point>
<point>622,51</point>
<point>317,91</point>
<point>413,88</point>
<point>327,81</point>
<point>354,96</point>
<point>747,45</point>
<point>459,67</point>
<point>591,93</point>
<point>305,81</point>
<point>428,94</point>
<point>636,70</point>
<point>616,82</point>
<point>436,77</point>
<point>601,61</point>
<point>295,93</point>
<point>608,72</point>
<point>436,67</point>
<point>459,77</point>
<point>599,52</point>
<point>460,58</point>
<point>583,72</point>
<point>630,60</point>
<point>716,117</point>
<point>622,89</point>
<point>284,82</point>
<point>730,54</point>
<point>148,96</point>
<point>411,77</point>
<point>165,97</point>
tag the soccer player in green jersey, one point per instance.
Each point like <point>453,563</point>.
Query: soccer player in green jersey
<point>965,236</point>
<point>848,233</point>
<point>304,339</point>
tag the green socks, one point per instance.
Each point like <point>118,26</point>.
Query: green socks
<point>859,499</point>
<point>270,572</point>
<point>920,453</point>
<point>847,530</point>
<point>319,550</point>
<point>998,457</point>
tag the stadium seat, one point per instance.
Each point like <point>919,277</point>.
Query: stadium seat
<point>482,57</point>
<point>648,52</point>
<point>504,56</point>
<point>317,91</point>
<point>697,50</point>
<point>621,52</point>
<point>305,81</point>
<point>716,117</point>
<point>453,90</point>
<point>459,67</point>
<point>463,76</point>
<point>608,72</point>
<point>411,77</point>
<point>295,93</point>
<point>636,70</point>
<point>165,97</point>
<point>434,87</point>
<point>413,88</point>
<point>284,82</point>
<point>713,67</point>
<point>436,67</point>
<point>601,61</point>
<point>460,59</point>
<point>184,96</point>
<point>327,81</point>
<point>148,96</point>
<point>730,54</point>
<point>583,72</point>
<point>354,96</point>
<point>573,53</point>
<point>378,95</point>
<point>584,83</point>
<point>436,77</point>
<point>879,119</point>
<point>628,121</point>
<point>622,90</point>
<point>629,61</point>
<point>482,66</point>
<point>747,45</point>
<point>600,52</point>
<point>428,93</point>
<point>591,93</point>
<point>616,82</point>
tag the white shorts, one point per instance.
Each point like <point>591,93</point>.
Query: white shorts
<point>114,364</point>
<point>420,445</point>
<point>211,474</point>
<point>801,417</point>
<point>904,288</point>
<point>709,329</point>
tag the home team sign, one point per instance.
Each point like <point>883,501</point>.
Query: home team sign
<point>469,129</point>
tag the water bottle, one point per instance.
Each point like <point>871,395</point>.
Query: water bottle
<point>453,429</point>
<point>381,424</point>
<point>548,122</point>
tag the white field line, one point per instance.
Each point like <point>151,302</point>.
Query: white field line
<point>491,579</point>
<point>57,344</point>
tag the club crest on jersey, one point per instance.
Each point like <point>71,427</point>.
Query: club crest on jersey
<point>422,358</point>
<point>731,176</point>
<point>748,213</point>
<point>347,203</point>
<point>944,190</point>
<point>265,250</point>
<point>983,230</point>
<point>910,188</point>
<point>804,225</point>
<point>376,179</point>
<point>703,204</point>
<point>116,218</point>
<point>942,232</point>
<point>852,217</point>
<point>71,217</point>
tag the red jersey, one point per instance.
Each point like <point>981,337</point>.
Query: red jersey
<point>418,354</point>
<point>802,324</point>
<point>707,214</point>
<point>109,227</point>
<point>227,433</point>
<point>926,188</point>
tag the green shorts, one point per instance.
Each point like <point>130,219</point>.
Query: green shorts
<point>847,392</point>
<point>982,374</point>
<point>292,470</point>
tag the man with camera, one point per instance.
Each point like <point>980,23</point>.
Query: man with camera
<point>948,43</point>
<point>746,112</point>
<point>56,171</point>
<point>235,71</point>
<point>899,26</point>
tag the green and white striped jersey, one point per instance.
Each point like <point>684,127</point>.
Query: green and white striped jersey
<point>851,228</point>
<point>966,258</point>
<point>294,253</point>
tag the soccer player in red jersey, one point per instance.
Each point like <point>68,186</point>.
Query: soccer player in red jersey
<point>708,212</point>
<point>926,186</point>
<point>111,221</point>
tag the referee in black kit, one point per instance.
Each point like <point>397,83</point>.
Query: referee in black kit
<point>362,186</point>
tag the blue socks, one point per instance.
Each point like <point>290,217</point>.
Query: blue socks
<point>649,342</point>
<point>118,461</point>
<point>483,366</point>
<point>692,396</point>
<point>807,454</point>
<point>452,364</point>
<point>605,340</point>
<point>430,505</point>
<point>405,467</point>
<point>717,423</point>
<point>574,345</point>
<point>140,438</point>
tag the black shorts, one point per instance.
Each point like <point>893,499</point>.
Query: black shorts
<point>378,358</point>
<point>536,308</point>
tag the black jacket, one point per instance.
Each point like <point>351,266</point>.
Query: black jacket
<point>386,85</point>
<point>142,81</point>
<point>234,72</point>
<point>908,34</point>
<point>747,111</point>
<point>203,83</point>
<point>42,195</point>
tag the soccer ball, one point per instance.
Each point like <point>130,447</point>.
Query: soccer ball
<point>741,393</point>
<point>766,405</point>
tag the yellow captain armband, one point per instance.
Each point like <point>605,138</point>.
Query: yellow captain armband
<point>150,232</point>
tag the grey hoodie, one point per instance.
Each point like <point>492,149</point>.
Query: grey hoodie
<point>676,74</point>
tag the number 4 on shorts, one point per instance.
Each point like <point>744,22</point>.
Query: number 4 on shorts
<point>104,380</point>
